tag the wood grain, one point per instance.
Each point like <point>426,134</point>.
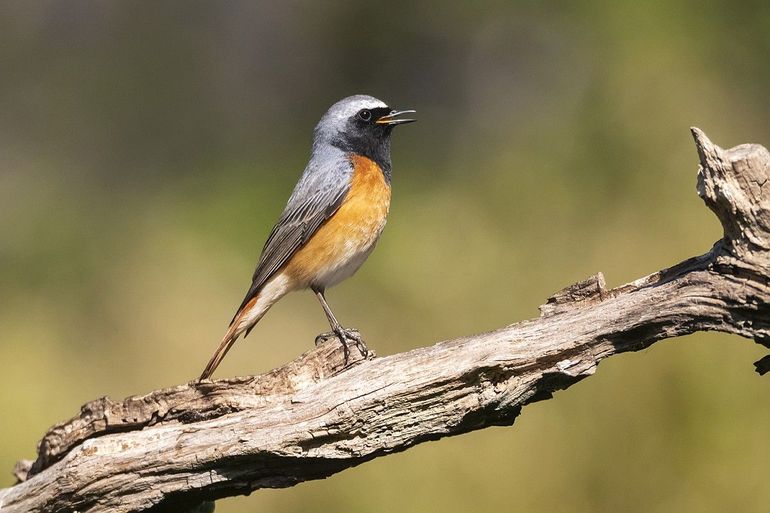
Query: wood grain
<point>178,448</point>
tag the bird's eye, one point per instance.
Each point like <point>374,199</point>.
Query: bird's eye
<point>365,115</point>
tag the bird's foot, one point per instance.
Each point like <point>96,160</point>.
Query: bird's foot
<point>345,335</point>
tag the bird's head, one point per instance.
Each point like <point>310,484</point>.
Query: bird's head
<point>362,125</point>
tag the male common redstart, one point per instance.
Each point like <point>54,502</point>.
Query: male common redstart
<point>332,220</point>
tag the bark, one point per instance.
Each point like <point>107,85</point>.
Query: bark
<point>180,447</point>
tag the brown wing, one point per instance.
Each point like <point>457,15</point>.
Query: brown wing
<point>303,215</point>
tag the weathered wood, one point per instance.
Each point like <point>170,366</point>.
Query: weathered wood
<point>313,417</point>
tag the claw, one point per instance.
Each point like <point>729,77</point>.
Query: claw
<point>324,337</point>
<point>345,336</point>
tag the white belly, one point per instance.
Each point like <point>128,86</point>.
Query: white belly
<point>350,260</point>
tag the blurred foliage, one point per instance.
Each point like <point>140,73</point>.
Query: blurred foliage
<point>147,148</point>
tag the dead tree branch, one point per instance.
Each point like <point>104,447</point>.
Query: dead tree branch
<point>314,416</point>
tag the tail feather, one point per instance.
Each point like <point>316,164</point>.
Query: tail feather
<point>247,317</point>
<point>240,323</point>
<point>227,342</point>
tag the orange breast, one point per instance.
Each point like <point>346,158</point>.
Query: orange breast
<point>344,241</point>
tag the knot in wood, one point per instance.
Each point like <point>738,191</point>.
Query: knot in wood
<point>735,185</point>
<point>583,293</point>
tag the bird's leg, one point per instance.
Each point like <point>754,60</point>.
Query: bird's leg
<point>343,334</point>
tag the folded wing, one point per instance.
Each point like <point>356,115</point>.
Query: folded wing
<point>315,199</point>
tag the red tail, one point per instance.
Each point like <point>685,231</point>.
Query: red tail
<point>227,342</point>
<point>233,332</point>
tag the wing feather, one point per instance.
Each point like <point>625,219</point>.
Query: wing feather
<point>315,199</point>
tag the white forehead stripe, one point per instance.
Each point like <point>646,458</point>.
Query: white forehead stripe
<point>370,104</point>
<point>349,106</point>
<point>338,116</point>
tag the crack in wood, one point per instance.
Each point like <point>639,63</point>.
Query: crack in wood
<point>180,448</point>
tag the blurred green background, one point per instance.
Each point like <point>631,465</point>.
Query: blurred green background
<point>146,148</point>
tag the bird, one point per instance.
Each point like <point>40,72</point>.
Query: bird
<point>332,220</point>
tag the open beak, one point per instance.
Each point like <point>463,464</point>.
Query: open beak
<point>394,119</point>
